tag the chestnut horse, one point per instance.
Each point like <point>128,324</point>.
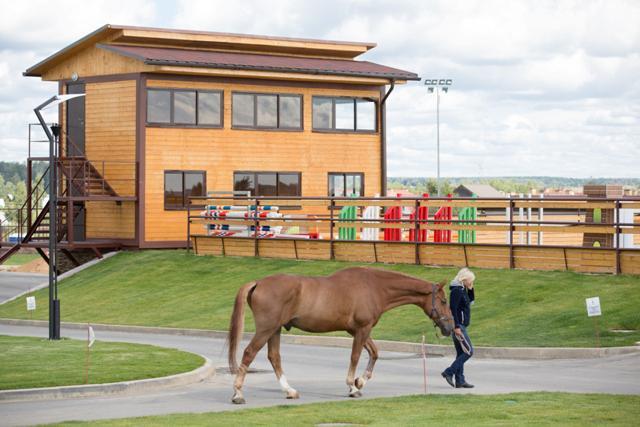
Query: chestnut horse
<point>349,300</point>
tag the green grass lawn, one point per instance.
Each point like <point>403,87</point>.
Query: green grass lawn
<point>506,409</point>
<point>27,362</point>
<point>176,289</point>
<point>20,259</point>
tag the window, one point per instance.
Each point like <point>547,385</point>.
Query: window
<point>268,183</point>
<point>180,185</point>
<point>346,184</point>
<point>344,114</point>
<point>187,108</point>
<point>266,111</point>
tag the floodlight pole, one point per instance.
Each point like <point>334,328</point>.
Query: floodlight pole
<point>434,86</point>
<point>438,137</point>
<point>54,302</point>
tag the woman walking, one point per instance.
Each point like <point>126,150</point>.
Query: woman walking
<point>460,300</point>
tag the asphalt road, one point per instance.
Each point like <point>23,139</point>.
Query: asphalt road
<point>318,373</point>
<point>15,283</point>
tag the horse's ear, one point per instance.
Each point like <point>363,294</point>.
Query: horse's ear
<point>442,283</point>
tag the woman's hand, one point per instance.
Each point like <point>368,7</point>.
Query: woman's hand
<point>458,332</point>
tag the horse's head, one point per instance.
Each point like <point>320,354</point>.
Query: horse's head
<point>435,306</point>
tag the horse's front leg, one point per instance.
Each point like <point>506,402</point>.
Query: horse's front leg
<point>359,339</point>
<point>371,348</point>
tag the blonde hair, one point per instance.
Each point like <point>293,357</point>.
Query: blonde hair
<point>465,273</point>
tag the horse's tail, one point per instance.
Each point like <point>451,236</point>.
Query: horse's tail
<point>236,325</point>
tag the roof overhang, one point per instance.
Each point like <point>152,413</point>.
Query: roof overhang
<point>204,40</point>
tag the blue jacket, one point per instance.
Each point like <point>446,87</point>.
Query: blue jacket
<point>460,301</point>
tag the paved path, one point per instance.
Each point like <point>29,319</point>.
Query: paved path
<point>12,284</point>
<point>319,374</point>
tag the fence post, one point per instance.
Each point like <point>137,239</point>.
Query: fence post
<point>618,266</point>
<point>255,229</point>
<point>188,225</point>
<point>416,233</point>
<point>332,207</point>
<point>511,208</point>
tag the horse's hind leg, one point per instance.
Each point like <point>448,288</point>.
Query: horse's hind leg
<point>257,342</point>
<point>371,348</point>
<point>274,358</point>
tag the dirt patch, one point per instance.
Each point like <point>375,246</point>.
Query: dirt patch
<point>35,266</point>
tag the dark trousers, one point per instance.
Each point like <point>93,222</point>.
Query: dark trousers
<point>457,367</point>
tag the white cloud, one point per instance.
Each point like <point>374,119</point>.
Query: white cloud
<point>540,87</point>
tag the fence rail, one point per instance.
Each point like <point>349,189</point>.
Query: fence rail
<point>581,234</point>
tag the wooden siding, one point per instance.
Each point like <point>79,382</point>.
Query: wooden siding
<point>110,135</point>
<point>94,61</point>
<point>220,152</point>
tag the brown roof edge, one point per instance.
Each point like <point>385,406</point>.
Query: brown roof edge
<point>258,62</point>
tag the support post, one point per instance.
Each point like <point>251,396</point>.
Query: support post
<point>416,232</point>
<point>332,207</point>
<point>617,224</point>
<point>189,226</point>
<point>255,231</point>
<point>511,208</point>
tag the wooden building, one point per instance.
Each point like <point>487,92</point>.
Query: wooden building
<point>172,113</point>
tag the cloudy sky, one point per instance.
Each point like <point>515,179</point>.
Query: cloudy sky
<point>540,87</point>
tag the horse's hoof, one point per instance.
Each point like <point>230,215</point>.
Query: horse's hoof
<point>359,383</point>
<point>293,395</point>
<point>238,400</point>
<point>356,394</point>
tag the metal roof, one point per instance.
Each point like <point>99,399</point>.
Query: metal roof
<point>251,61</point>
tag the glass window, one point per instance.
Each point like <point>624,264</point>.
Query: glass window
<point>243,109</point>
<point>344,114</point>
<point>173,196</point>
<point>322,113</point>
<point>159,106</point>
<point>267,184</point>
<point>178,107</point>
<point>244,182</point>
<point>193,184</point>
<point>290,112</point>
<point>346,184</point>
<point>209,108</point>
<point>288,184</point>
<point>366,114</point>
<point>267,111</point>
<point>184,107</point>
<point>180,185</point>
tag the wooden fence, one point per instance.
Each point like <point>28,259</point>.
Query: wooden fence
<point>594,235</point>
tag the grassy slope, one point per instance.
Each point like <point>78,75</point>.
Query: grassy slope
<point>27,362</point>
<point>20,259</point>
<point>176,289</point>
<point>506,409</point>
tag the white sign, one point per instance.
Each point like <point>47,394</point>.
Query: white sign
<point>31,303</point>
<point>593,307</point>
<point>91,337</point>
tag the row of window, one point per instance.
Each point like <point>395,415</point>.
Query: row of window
<point>180,185</point>
<point>204,108</point>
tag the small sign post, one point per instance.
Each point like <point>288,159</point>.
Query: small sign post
<point>424,364</point>
<point>593,310</point>
<point>31,305</point>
